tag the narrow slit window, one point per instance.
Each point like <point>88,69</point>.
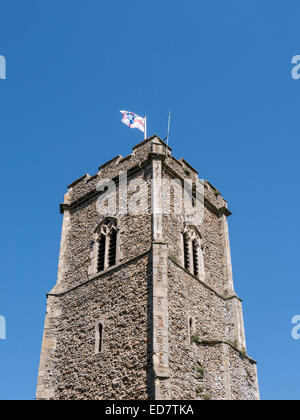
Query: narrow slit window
<point>195,259</point>
<point>101,253</point>
<point>191,330</point>
<point>100,338</point>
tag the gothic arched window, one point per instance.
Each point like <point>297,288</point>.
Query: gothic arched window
<point>105,253</point>
<point>193,251</point>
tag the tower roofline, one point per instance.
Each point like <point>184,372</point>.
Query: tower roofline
<point>155,136</point>
<point>141,153</point>
<point>120,158</point>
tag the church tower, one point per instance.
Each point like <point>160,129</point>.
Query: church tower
<point>144,306</point>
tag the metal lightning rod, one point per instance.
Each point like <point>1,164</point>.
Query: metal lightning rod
<point>167,140</point>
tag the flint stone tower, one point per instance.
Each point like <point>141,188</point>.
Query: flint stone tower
<point>144,306</point>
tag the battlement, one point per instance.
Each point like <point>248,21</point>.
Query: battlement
<point>142,155</point>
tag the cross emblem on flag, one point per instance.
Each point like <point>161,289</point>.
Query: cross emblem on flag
<point>134,121</point>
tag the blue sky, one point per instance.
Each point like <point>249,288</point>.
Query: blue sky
<point>224,68</point>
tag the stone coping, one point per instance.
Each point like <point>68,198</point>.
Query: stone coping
<point>216,341</point>
<point>218,211</point>
<point>117,267</point>
<point>234,296</point>
<point>188,165</point>
<point>99,275</point>
<point>149,139</point>
<point>104,165</point>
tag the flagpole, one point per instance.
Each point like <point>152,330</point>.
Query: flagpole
<point>169,124</point>
<point>145,126</point>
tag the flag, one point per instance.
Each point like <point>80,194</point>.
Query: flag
<point>134,121</point>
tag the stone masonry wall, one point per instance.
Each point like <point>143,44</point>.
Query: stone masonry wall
<point>211,231</point>
<point>146,301</point>
<point>213,320</point>
<point>84,218</point>
<point>213,315</point>
<point>121,300</point>
<point>209,302</point>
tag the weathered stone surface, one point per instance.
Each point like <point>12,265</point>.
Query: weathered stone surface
<point>120,371</point>
<point>167,333</point>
